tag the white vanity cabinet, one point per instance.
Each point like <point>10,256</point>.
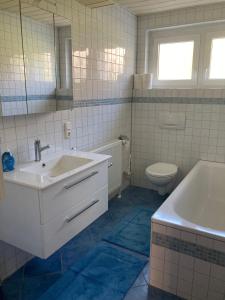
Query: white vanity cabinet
<point>40,221</point>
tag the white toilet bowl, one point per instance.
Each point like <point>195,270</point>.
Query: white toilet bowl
<point>161,176</point>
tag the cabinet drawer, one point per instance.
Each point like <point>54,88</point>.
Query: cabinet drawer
<point>72,192</point>
<point>61,229</point>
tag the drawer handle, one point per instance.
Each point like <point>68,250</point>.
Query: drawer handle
<point>70,219</point>
<point>110,165</point>
<point>69,186</point>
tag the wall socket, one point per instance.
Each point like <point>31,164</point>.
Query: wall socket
<point>67,129</point>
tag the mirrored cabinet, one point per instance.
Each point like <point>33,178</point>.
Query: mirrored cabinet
<point>35,60</point>
<point>12,71</point>
<point>63,46</point>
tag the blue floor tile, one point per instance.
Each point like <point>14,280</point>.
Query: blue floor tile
<point>35,286</point>
<point>12,288</point>
<point>31,281</point>
<point>106,272</point>
<point>38,266</point>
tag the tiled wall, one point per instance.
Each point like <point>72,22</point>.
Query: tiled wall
<point>186,264</point>
<point>203,137</point>
<point>104,59</point>
<point>104,43</point>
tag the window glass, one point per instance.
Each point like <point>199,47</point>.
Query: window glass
<point>217,61</point>
<point>175,60</point>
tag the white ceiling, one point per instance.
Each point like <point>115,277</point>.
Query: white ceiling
<point>97,3</point>
<point>140,7</point>
<point>10,5</point>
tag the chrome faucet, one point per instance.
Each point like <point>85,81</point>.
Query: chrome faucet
<point>38,149</point>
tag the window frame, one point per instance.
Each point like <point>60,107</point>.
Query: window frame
<point>205,80</point>
<point>203,33</point>
<point>186,83</point>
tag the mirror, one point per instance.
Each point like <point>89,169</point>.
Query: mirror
<point>48,60</point>
<point>39,58</point>
<point>12,80</point>
<point>64,87</point>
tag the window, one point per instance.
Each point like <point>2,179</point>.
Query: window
<point>175,61</point>
<point>188,57</point>
<point>214,63</point>
<point>217,60</point>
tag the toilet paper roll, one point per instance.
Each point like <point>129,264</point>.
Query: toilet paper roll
<point>143,81</point>
<point>147,81</point>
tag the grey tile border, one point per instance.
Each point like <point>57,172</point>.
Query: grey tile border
<point>12,98</point>
<point>179,100</point>
<point>188,248</point>
<point>98,102</point>
<point>40,97</point>
<point>113,101</point>
<point>24,98</point>
<point>80,103</point>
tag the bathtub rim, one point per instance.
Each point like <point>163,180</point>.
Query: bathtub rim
<point>166,215</point>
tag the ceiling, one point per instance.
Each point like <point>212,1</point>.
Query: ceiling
<point>137,7</point>
<point>10,5</point>
<point>140,7</point>
<point>97,3</point>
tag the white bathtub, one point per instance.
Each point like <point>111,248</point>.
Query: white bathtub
<point>187,255</point>
<point>198,203</point>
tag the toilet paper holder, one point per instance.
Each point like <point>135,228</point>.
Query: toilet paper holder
<point>124,138</point>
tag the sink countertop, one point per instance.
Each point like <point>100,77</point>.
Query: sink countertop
<point>39,181</point>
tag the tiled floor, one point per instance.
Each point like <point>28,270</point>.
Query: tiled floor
<point>31,281</point>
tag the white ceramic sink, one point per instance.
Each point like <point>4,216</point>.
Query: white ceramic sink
<point>57,166</point>
<point>54,168</point>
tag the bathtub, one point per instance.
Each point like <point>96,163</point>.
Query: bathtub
<point>198,203</point>
<point>188,236</point>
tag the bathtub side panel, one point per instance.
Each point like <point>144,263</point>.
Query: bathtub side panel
<point>187,264</point>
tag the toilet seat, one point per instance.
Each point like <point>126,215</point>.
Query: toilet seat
<point>162,170</point>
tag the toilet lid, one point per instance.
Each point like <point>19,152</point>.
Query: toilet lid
<point>162,169</point>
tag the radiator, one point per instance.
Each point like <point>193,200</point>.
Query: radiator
<point>114,149</point>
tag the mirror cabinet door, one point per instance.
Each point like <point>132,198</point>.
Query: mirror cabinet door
<point>38,33</point>
<point>35,60</point>
<point>12,80</point>
<point>63,43</point>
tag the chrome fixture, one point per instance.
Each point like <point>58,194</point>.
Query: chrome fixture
<point>124,139</point>
<point>38,149</point>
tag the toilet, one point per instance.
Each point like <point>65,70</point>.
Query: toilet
<point>161,176</point>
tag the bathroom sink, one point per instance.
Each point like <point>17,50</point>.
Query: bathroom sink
<point>56,167</point>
